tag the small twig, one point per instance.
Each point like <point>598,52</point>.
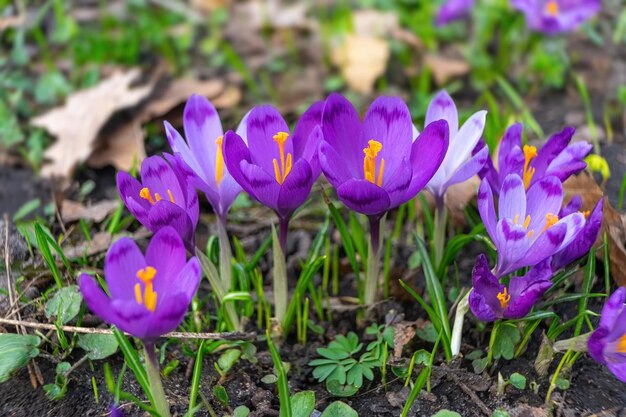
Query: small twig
<point>91,330</point>
<point>471,394</point>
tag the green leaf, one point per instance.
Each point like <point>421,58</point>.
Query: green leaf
<point>499,412</point>
<point>446,413</point>
<point>518,380</point>
<point>269,379</point>
<point>98,346</point>
<point>507,337</point>
<point>65,304</point>
<point>303,404</point>
<point>50,87</point>
<point>562,383</point>
<point>427,333</point>
<point>15,352</point>
<point>228,359</point>
<point>334,353</point>
<point>221,394</point>
<point>339,409</point>
<point>338,389</point>
<point>10,132</point>
<point>241,411</point>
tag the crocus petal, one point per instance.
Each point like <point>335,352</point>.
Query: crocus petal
<point>262,124</point>
<point>295,189</point>
<point>469,168</point>
<point>159,177</point>
<point>262,186</point>
<point>333,166</point>
<point>168,316</point>
<point>178,145</point>
<point>596,344</point>
<point>442,107</point>
<point>543,198</point>
<point>121,264</point>
<point>166,253</point>
<point>129,189</point>
<point>575,223</point>
<point>618,369</point>
<point>613,308</point>
<point>182,171</point>
<point>551,149</point>
<point>388,121</point>
<point>305,146</point>
<point>545,246</point>
<point>363,197</point>
<point>310,153</point>
<point>572,206</point>
<point>486,208</point>
<point>453,10</point>
<point>397,183</point>
<point>483,300</point>
<point>570,161</point>
<point>202,128</point>
<point>526,291</point>
<point>236,151</point>
<point>427,153</point>
<point>228,190</point>
<point>512,201</point>
<point>189,277</point>
<point>512,138</point>
<point>164,214</point>
<point>467,138</point>
<point>96,299</point>
<point>339,122</point>
<point>512,243</point>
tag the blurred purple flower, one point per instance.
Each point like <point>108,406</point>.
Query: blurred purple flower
<point>585,239</point>
<point>452,10</point>
<point>459,164</point>
<point>149,294</point>
<point>490,300</point>
<point>396,165</point>
<point>607,344</point>
<point>275,168</point>
<point>115,411</point>
<point>527,229</point>
<point>162,198</point>
<point>557,157</point>
<point>556,16</point>
<point>202,153</point>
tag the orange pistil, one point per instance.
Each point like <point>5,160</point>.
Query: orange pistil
<point>586,213</point>
<point>219,161</point>
<point>530,152</point>
<point>145,194</point>
<point>369,162</point>
<point>285,163</point>
<point>149,298</point>
<point>504,297</point>
<point>552,8</point>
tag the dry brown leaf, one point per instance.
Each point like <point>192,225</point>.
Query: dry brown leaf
<point>123,148</point>
<point>72,211</point>
<point>99,242</point>
<point>404,332</point>
<point>613,224</point>
<point>375,23</point>
<point>230,97</point>
<point>361,59</point>
<point>445,68</point>
<point>77,124</point>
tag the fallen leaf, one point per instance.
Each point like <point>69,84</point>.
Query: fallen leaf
<point>361,59</point>
<point>613,224</point>
<point>76,124</point>
<point>404,332</point>
<point>99,243</point>
<point>445,68</point>
<point>375,23</point>
<point>123,147</point>
<point>230,97</point>
<point>72,211</point>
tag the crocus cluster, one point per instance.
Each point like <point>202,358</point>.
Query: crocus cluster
<point>548,16</point>
<point>531,227</point>
<point>607,344</point>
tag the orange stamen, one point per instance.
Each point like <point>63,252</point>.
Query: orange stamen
<point>149,298</point>
<point>552,8</point>
<point>145,194</point>
<point>219,161</point>
<point>621,344</point>
<point>530,152</point>
<point>504,297</point>
<point>281,172</point>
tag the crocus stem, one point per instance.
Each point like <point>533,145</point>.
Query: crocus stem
<point>373,261</point>
<point>152,366</point>
<point>440,230</point>
<point>457,328</point>
<point>281,291</point>
<point>226,272</point>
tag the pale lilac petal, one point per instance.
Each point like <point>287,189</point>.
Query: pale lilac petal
<point>178,145</point>
<point>466,140</point>
<point>512,243</point>
<point>512,203</point>
<point>544,198</point>
<point>544,246</point>
<point>442,107</point>
<point>469,168</point>
<point>487,209</point>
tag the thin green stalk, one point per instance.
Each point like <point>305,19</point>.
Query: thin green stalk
<point>226,254</point>
<point>556,375</point>
<point>492,341</point>
<point>156,387</point>
<point>195,380</point>
<point>373,261</point>
<point>280,278</point>
<point>440,231</point>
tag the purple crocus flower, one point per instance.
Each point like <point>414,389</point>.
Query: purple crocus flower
<point>557,157</point>
<point>162,198</point>
<point>459,164</point>
<point>378,164</point>
<point>149,294</point>
<point>203,155</point>
<point>490,300</point>
<point>452,10</point>
<point>556,16</point>
<point>585,239</point>
<point>527,229</point>
<point>276,168</point>
<point>607,344</point>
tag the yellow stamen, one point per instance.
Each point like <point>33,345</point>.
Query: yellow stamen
<point>281,172</point>
<point>219,161</point>
<point>504,297</point>
<point>170,195</point>
<point>516,219</point>
<point>586,214</point>
<point>145,194</point>
<point>552,8</point>
<point>527,221</point>
<point>157,197</point>
<point>149,295</point>
<point>369,162</point>
<point>621,344</point>
<point>530,152</point>
<point>551,220</point>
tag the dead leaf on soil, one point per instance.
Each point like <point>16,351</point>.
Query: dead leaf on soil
<point>445,68</point>
<point>99,243</point>
<point>77,123</point>
<point>123,147</point>
<point>361,59</point>
<point>613,224</point>
<point>72,211</point>
<point>404,332</point>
